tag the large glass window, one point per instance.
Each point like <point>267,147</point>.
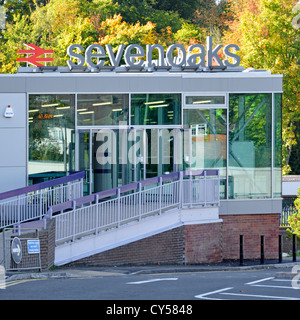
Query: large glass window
<point>51,136</point>
<point>196,100</point>
<point>250,136</point>
<point>205,139</point>
<point>102,109</point>
<point>277,145</point>
<point>156,109</point>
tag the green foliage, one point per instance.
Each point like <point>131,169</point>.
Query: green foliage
<point>294,220</point>
<point>263,30</point>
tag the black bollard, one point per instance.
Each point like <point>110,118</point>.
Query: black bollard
<point>262,249</point>
<point>280,248</point>
<point>241,250</point>
<point>294,247</point>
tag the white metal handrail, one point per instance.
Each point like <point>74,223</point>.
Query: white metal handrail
<point>34,205</point>
<point>132,208</point>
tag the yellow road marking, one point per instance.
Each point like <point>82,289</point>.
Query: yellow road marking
<point>16,282</point>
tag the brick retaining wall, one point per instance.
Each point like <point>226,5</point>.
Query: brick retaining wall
<point>195,244</point>
<point>252,226</point>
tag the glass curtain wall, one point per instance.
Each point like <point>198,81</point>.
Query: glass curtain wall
<point>277,127</point>
<point>205,140</point>
<point>250,146</point>
<point>102,109</point>
<point>51,136</point>
<point>156,109</point>
<point>200,139</point>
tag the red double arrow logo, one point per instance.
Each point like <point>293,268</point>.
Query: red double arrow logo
<point>35,52</point>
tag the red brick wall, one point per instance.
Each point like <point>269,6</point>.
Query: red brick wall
<point>191,244</point>
<point>195,244</point>
<point>164,248</point>
<point>252,226</point>
<point>203,243</point>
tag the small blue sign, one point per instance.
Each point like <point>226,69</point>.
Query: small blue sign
<point>33,246</point>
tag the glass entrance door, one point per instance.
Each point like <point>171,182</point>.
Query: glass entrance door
<point>112,158</point>
<point>85,160</point>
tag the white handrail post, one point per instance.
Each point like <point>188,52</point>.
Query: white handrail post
<point>97,213</point>
<point>41,206</point>
<point>69,191</point>
<point>119,208</point>
<point>205,187</point>
<point>19,215</point>
<point>81,188</point>
<point>190,189</point>
<point>140,201</point>
<point>218,188</point>
<point>160,193</point>
<point>180,190</point>
<point>74,224</point>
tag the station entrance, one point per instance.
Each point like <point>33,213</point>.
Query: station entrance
<point>115,157</point>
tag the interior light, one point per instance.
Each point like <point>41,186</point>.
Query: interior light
<point>61,108</point>
<point>159,106</point>
<point>154,102</point>
<point>78,110</point>
<point>117,109</point>
<point>86,112</point>
<point>101,104</point>
<point>49,105</point>
<point>58,115</point>
<point>36,110</point>
<point>204,101</point>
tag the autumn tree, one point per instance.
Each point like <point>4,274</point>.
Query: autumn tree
<point>263,30</point>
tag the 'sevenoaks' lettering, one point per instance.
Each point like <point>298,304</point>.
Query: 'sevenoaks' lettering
<point>136,57</point>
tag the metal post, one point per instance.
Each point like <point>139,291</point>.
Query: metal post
<point>119,209</point>
<point>140,201</point>
<point>190,189</point>
<point>262,249</point>
<point>205,188</point>
<point>294,247</point>
<point>41,206</point>
<point>74,224</point>
<point>160,194</point>
<point>19,216</point>
<point>97,213</point>
<point>280,248</point>
<point>241,250</point>
<point>180,189</point>
<point>4,249</point>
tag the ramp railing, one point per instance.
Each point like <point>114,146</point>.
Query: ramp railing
<point>132,203</point>
<point>32,202</point>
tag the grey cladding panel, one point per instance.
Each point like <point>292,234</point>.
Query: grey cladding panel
<point>156,84</point>
<point>102,84</point>
<point>50,84</point>
<point>205,84</point>
<point>14,177</point>
<point>13,146</point>
<point>250,85</point>
<point>12,84</point>
<point>251,206</point>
